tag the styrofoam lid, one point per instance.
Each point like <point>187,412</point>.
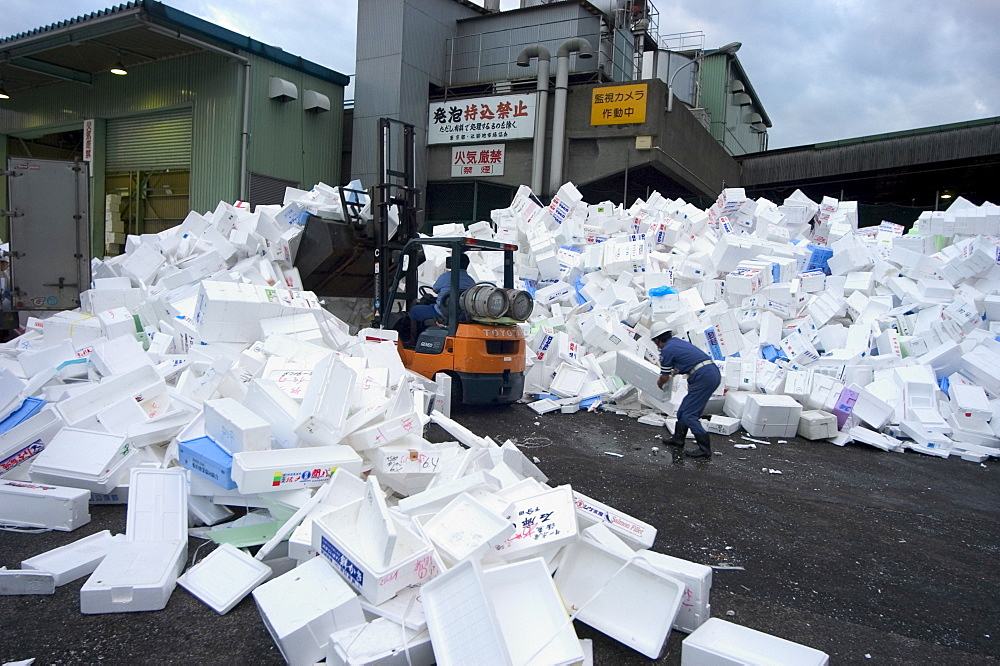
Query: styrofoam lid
<point>223,578</point>
<point>157,505</point>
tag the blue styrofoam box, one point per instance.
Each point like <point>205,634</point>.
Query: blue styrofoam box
<point>206,458</point>
<point>28,408</point>
<point>818,258</point>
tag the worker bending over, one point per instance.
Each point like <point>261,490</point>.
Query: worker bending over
<point>703,377</point>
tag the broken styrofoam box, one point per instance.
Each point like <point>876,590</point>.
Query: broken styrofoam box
<point>336,539</point>
<point>323,413</point>
<point>234,427</point>
<point>303,607</point>
<point>466,528</point>
<point>816,424</point>
<point>630,600</point>
<point>721,643</point>
<point>74,560</point>
<point>721,425</point>
<point>284,469</point>
<point>27,504</point>
<point>380,642</point>
<point>771,415</point>
<point>224,577</point>
<point>22,443</point>
<point>207,459</point>
<point>695,607</point>
<point>141,383</point>
<point>26,582</point>
<point>632,531</point>
<point>134,576</point>
<point>542,522</point>
<point>87,459</point>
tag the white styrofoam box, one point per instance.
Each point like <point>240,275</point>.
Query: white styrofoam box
<point>405,609</point>
<point>568,380</point>
<point>376,531</point>
<point>23,442</point>
<point>735,404</point>
<point>282,469</point>
<point>878,440</point>
<point>543,522</point>
<point>695,607</point>
<point>871,409</point>
<point>324,408</point>
<point>970,402</point>
<point>771,415</point>
<point>641,374</point>
<point>815,424</point>
<point>633,531</point>
<point>721,425</point>
<point>134,576</point>
<point>141,383</point>
<point>74,560</point>
<point>336,539</point>
<point>466,528</point>
<point>721,643</point>
<point>632,601</point>
<point>265,398</point>
<point>88,459</point>
<point>380,642</point>
<point>236,428</point>
<point>157,505</point>
<point>303,607</point>
<point>40,505</point>
<point>384,432</point>
<point>224,577</point>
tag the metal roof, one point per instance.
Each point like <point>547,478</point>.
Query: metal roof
<point>134,34</point>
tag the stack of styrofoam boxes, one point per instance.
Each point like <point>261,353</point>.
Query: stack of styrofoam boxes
<point>114,226</point>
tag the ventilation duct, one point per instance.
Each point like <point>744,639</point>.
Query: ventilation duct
<point>315,101</point>
<point>742,99</point>
<point>281,90</point>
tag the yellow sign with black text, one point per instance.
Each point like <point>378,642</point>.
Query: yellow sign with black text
<point>618,105</point>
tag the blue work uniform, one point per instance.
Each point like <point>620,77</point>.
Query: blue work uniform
<point>442,286</point>
<point>683,357</point>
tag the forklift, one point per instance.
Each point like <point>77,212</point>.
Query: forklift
<point>476,340</point>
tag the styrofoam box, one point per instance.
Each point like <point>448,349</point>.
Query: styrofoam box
<point>303,607</point>
<point>224,577</point>
<point>735,404</point>
<point>207,459</point>
<point>466,528</point>
<point>88,459</point>
<point>816,424</point>
<point>641,374</point>
<point>138,383</point>
<point>532,617</point>
<point>633,531</point>
<point>335,538</point>
<point>76,559</point>
<point>380,642</point>
<point>636,608</point>
<point>771,415</point>
<point>26,440</point>
<point>286,469</point>
<point>722,425</point>
<point>135,576</point>
<point>544,522</point>
<point>234,427</point>
<point>721,643</point>
<point>157,505</point>
<point>38,505</point>
<point>697,578</point>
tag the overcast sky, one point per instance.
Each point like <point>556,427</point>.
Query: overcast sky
<point>823,69</point>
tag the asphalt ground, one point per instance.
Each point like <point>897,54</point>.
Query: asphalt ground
<point>871,557</point>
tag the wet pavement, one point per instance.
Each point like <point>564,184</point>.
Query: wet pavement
<point>871,557</point>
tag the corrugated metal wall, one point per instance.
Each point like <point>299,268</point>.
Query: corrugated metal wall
<point>730,121</point>
<point>288,142</point>
<point>969,140</point>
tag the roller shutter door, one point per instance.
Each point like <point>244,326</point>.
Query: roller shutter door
<point>155,141</point>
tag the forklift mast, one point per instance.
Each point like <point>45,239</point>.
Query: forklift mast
<point>396,187</point>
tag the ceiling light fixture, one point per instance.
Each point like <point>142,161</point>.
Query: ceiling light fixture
<point>119,69</point>
<point>3,93</point>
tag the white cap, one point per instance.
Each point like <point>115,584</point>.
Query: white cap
<point>657,329</point>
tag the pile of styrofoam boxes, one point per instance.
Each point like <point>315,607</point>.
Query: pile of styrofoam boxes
<point>879,329</point>
<point>202,379</point>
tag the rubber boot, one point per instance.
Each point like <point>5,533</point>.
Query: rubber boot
<point>680,433</point>
<point>703,447</point>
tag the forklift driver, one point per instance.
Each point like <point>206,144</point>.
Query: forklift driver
<point>427,315</point>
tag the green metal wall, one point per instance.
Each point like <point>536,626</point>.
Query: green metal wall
<point>287,142</point>
<point>730,123</point>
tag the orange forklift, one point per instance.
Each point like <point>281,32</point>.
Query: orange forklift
<point>476,340</point>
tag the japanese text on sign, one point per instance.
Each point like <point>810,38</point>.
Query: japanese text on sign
<point>618,105</point>
<point>477,160</point>
<point>467,120</point>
